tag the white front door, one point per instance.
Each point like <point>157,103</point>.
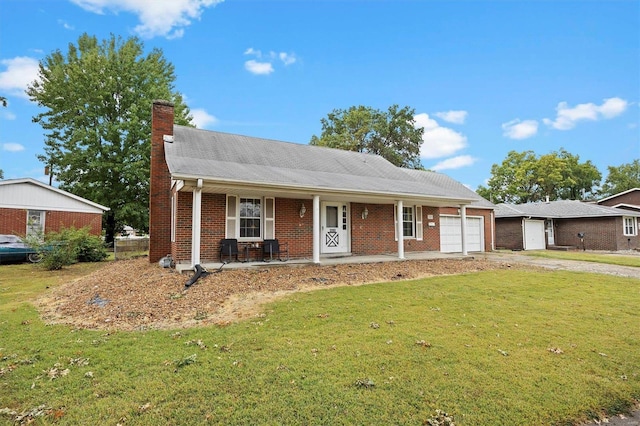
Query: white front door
<point>35,223</point>
<point>334,225</point>
<point>550,237</point>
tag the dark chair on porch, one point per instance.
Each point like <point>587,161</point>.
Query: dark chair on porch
<point>274,248</point>
<point>229,248</point>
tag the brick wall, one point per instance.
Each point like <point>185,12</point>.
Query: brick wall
<point>509,233</point>
<point>56,220</point>
<point>604,233</point>
<point>14,221</point>
<point>372,235</point>
<point>632,198</point>
<point>160,183</point>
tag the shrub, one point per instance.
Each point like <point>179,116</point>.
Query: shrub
<point>71,245</point>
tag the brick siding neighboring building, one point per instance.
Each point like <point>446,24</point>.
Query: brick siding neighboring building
<point>54,208</point>
<point>602,227</point>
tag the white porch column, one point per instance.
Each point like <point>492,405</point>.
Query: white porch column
<point>399,231</point>
<point>463,228</point>
<point>196,221</point>
<point>316,229</point>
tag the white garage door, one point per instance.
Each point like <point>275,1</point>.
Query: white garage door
<point>534,234</point>
<point>450,241</point>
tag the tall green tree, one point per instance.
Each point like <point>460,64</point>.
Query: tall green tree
<point>522,177</point>
<point>621,178</point>
<point>391,134</point>
<point>97,120</point>
<point>512,181</point>
<point>579,180</point>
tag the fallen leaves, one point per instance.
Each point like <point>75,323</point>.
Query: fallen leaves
<point>157,300</point>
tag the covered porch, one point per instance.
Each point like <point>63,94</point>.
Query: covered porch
<point>309,210</point>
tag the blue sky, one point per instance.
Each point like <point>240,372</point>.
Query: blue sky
<point>484,77</point>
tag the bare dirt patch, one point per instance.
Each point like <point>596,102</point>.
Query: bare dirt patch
<point>136,295</point>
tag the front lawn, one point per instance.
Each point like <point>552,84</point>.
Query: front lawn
<point>491,348</point>
<point>586,256</point>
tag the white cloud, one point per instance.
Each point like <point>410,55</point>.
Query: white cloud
<point>202,119</point>
<point>265,64</point>
<point>65,25</point>
<point>287,58</point>
<point>516,129</point>
<point>166,18</point>
<point>20,72</point>
<point>438,141</point>
<point>567,117</point>
<point>12,147</point>
<point>456,117</point>
<point>260,68</point>
<point>454,163</point>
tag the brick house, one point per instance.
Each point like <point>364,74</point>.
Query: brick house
<point>207,186</point>
<point>537,226</point>
<point>627,200</point>
<point>28,206</point>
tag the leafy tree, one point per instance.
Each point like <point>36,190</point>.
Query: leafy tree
<point>522,177</point>
<point>621,178</point>
<point>97,122</point>
<point>391,134</point>
<point>579,180</point>
<point>513,181</point>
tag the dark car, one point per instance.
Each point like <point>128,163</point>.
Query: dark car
<point>13,249</point>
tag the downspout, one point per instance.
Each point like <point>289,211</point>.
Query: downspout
<point>493,231</point>
<point>399,231</point>
<point>316,229</point>
<point>196,221</point>
<point>463,228</point>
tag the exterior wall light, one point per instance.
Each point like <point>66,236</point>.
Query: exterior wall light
<point>365,213</point>
<point>303,210</point>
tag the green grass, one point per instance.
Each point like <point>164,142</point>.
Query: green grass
<point>476,346</point>
<point>585,256</point>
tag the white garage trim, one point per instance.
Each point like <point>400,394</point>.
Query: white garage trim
<point>451,238</point>
<point>533,234</point>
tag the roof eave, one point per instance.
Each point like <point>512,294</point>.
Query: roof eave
<point>305,191</point>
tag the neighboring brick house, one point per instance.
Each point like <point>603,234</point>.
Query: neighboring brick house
<point>206,186</point>
<point>28,206</point>
<point>568,223</point>
<point>627,200</point>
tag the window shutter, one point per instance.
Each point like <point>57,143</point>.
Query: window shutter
<point>232,216</point>
<point>419,223</point>
<point>395,222</point>
<point>269,218</point>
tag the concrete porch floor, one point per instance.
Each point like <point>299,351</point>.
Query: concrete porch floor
<point>328,260</point>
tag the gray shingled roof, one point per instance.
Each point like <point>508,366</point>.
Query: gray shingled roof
<point>225,157</point>
<point>562,209</point>
<point>451,186</point>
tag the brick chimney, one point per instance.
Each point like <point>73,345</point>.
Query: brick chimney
<point>160,182</point>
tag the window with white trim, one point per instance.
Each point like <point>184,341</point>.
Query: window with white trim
<point>411,222</point>
<point>630,225</point>
<point>407,222</point>
<point>250,218</point>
